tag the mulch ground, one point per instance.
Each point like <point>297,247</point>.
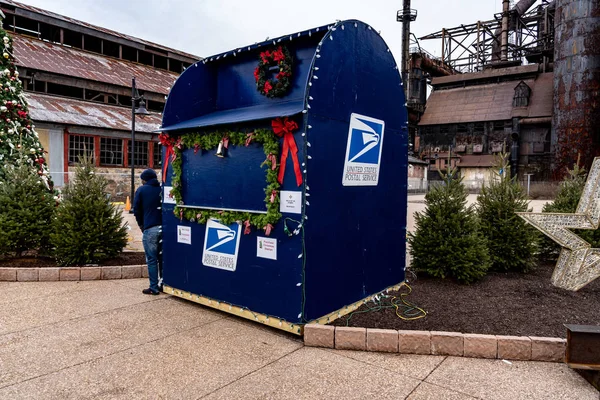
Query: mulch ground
<point>125,258</point>
<point>500,304</point>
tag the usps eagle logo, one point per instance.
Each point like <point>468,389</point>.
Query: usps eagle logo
<point>363,151</point>
<point>221,244</point>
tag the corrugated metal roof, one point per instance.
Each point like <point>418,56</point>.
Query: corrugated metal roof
<point>49,57</point>
<point>491,102</point>
<point>94,27</point>
<point>414,160</point>
<point>60,110</point>
<point>476,161</point>
<point>487,74</point>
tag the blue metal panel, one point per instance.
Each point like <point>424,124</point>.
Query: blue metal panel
<point>236,181</point>
<point>245,114</point>
<point>227,83</point>
<point>261,285</point>
<point>355,236</point>
<point>184,102</point>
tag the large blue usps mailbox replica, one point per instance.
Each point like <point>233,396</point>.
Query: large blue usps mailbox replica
<point>285,170</point>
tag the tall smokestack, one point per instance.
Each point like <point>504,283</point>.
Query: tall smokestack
<point>504,36</point>
<point>405,44</point>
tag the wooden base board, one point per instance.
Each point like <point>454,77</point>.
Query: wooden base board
<point>278,323</point>
<point>236,310</point>
<point>324,320</point>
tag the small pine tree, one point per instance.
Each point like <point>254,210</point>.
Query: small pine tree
<point>87,228</point>
<point>447,241</point>
<point>512,243</point>
<point>26,208</point>
<point>566,201</point>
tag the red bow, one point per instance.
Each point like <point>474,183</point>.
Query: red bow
<point>284,128</point>
<point>169,142</point>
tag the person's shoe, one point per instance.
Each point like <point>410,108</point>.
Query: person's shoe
<point>160,288</point>
<point>150,291</point>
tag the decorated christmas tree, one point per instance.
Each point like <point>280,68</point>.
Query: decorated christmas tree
<point>447,241</point>
<point>512,243</point>
<point>88,228</point>
<point>18,138</point>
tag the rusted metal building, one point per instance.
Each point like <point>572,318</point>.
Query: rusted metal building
<point>77,79</point>
<point>528,79</point>
<point>480,114</point>
<point>576,82</point>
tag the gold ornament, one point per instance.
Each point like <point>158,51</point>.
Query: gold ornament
<point>578,263</point>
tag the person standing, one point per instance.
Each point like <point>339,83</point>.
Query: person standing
<point>148,214</point>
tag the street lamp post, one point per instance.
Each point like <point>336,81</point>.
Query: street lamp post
<point>142,112</point>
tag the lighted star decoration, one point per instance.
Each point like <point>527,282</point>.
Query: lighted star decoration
<point>578,263</point>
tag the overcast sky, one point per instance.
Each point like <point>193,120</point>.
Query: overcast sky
<point>206,27</point>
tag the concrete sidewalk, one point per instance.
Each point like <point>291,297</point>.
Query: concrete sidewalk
<point>105,339</point>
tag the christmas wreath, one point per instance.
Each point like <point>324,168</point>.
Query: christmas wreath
<point>279,86</point>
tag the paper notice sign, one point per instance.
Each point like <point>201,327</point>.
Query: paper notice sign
<point>266,248</point>
<point>184,234</point>
<point>290,202</point>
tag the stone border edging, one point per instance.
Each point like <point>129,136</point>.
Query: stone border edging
<point>524,348</point>
<point>72,273</point>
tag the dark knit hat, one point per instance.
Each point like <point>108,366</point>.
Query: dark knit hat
<point>148,174</point>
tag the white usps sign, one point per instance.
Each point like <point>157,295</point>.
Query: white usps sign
<point>221,245</point>
<point>363,151</point>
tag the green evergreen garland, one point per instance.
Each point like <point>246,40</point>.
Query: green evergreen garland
<point>209,141</point>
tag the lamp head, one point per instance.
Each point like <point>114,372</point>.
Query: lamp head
<point>141,110</point>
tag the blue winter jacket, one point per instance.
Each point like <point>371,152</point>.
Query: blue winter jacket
<point>147,205</point>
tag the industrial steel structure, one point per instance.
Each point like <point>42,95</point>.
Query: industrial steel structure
<point>528,79</point>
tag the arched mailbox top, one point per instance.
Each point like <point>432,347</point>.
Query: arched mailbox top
<point>221,90</point>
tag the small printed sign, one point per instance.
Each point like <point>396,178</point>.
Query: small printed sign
<point>167,196</point>
<point>184,234</point>
<point>290,202</point>
<point>266,248</point>
<point>363,152</point>
<point>221,245</point>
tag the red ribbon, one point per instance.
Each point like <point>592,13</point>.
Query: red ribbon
<point>268,229</point>
<point>249,138</point>
<point>168,142</point>
<point>273,160</point>
<point>284,128</point>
